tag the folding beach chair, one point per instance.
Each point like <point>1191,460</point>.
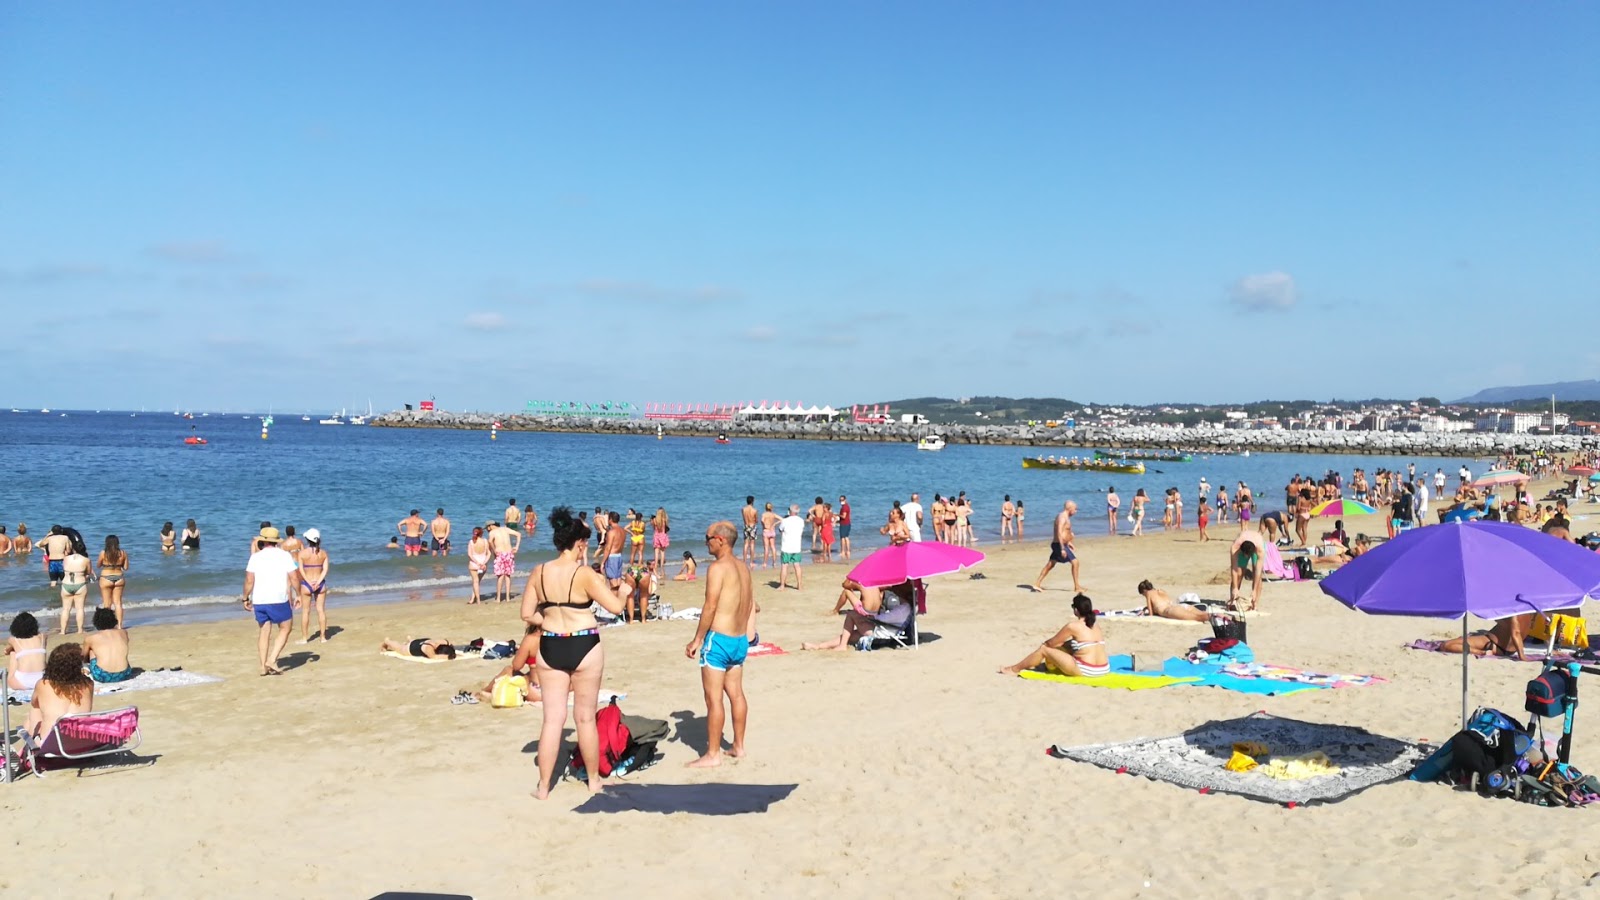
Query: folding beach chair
<point>83,736</point>
<point>897,625</point>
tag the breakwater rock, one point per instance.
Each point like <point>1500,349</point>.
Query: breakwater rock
<point>1204,440</point>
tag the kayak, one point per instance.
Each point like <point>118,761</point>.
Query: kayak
<point>1110,468</point>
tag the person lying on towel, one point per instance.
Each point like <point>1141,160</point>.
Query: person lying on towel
<point>425,648</point>
<point>1504,639</point>
<point>1079,648</point>
<point>1158,603</point>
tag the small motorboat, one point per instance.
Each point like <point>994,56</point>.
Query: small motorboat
<point>931,442</point>
<point>723,439</point>
<point>194,440</point>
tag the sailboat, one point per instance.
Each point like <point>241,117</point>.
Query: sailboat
<point>333,420</point>
<point>360,419</point>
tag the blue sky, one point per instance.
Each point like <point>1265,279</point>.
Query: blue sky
<point>226,205</point>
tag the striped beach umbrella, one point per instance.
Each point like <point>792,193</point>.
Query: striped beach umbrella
<point>1341,508</point>
<point>1499,477</point>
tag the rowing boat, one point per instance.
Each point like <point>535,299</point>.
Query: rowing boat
<point>1110,468</point>
<point>1140,454</point>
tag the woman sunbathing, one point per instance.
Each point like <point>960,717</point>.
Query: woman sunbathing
<point>424,648</point>
<point>861,618</point>
<point>524,662</point>
<point>688,570</point>
<point>1158,603</point>
<point>1504,639</point>
<point>1079,648</point>
<point>64,690</point>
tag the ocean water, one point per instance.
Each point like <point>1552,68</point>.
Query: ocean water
<point>118,473</point>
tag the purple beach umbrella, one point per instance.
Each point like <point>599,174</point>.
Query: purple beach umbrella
<point>1492,570</point>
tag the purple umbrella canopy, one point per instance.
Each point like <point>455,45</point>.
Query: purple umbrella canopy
<point>1487,569</point>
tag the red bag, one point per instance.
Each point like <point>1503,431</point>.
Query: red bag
<point>615,739</point>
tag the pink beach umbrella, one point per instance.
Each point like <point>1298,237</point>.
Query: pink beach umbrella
<point>891,565</point>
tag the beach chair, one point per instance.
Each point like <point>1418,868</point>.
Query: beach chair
<point>896,625</point>
<point>83,736</point>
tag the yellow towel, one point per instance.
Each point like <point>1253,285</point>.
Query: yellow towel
<point>1126,681</point>
<point>1240,762</point>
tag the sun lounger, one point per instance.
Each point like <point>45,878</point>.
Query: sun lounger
<point>83,736</point>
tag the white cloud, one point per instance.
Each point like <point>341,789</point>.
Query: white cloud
<point>485,321</point>
<point>1266,292</point>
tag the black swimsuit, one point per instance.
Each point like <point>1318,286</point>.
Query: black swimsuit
<point>565,652</point>
<point>416,647</point>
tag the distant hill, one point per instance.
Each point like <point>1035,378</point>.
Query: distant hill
<point>1564,391</point>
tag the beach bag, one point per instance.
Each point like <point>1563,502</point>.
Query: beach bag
<point>500,650</point>
<point>1225,627</point>
<point>1304,569</point>
<point>619,752</point>
<point>1547,694</point>
<point>508,692</point>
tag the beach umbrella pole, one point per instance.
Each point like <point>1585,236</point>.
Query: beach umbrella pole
<point>1466,656</point>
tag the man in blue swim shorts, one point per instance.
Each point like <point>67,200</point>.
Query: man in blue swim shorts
<point>271,580</point>
<point>722,641</point>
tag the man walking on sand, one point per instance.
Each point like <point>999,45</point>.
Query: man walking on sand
<point>1061,549</point>
<point>791,533</point>
<point>271,579</point>
<point>721,641</point>
<point>411,528</point>
<point>748,514</point>
<point>440,527</point>
<point>505,542</point>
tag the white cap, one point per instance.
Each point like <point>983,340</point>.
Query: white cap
<point>313,536</point>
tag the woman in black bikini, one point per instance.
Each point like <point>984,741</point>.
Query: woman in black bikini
<point>558,598</point>
<point>424,648</point>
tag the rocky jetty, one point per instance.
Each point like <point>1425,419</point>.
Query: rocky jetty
<point>1204,440</point>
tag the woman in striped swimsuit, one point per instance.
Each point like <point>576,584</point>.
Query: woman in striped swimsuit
<point>1079,648</point>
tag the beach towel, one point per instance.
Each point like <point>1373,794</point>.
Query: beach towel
<point>1120,677</point>
<point>766,648</point>
<point>692,613</point>
<point>1207,675</point>
<point>1272,564</point>
<point>712,799</point>
<point>417,659</point>
<point>1300,676</point>
<point>1356,759</point>
<point>150,681</point>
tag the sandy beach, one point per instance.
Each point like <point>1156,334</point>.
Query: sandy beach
<point>912,769</point>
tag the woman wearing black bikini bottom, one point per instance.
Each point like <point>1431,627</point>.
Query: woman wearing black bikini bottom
<point>422,648</point>
<point>559,598</point>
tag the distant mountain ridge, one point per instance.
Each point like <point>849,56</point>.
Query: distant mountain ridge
<point>1565,391</point>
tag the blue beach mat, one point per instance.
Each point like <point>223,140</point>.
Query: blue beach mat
<point>1212,676</point>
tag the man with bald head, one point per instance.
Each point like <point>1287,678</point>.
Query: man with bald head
<point>721,642</point>
<point>1061,549</point>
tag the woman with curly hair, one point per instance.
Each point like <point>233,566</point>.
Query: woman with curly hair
<point>65,690</point>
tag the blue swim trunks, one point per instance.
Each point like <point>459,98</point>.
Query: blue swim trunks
<point>276,613</point>
<point>614,567</point>
<point>57,570</point>
<point>723,652</point>
<point>104,677</point>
